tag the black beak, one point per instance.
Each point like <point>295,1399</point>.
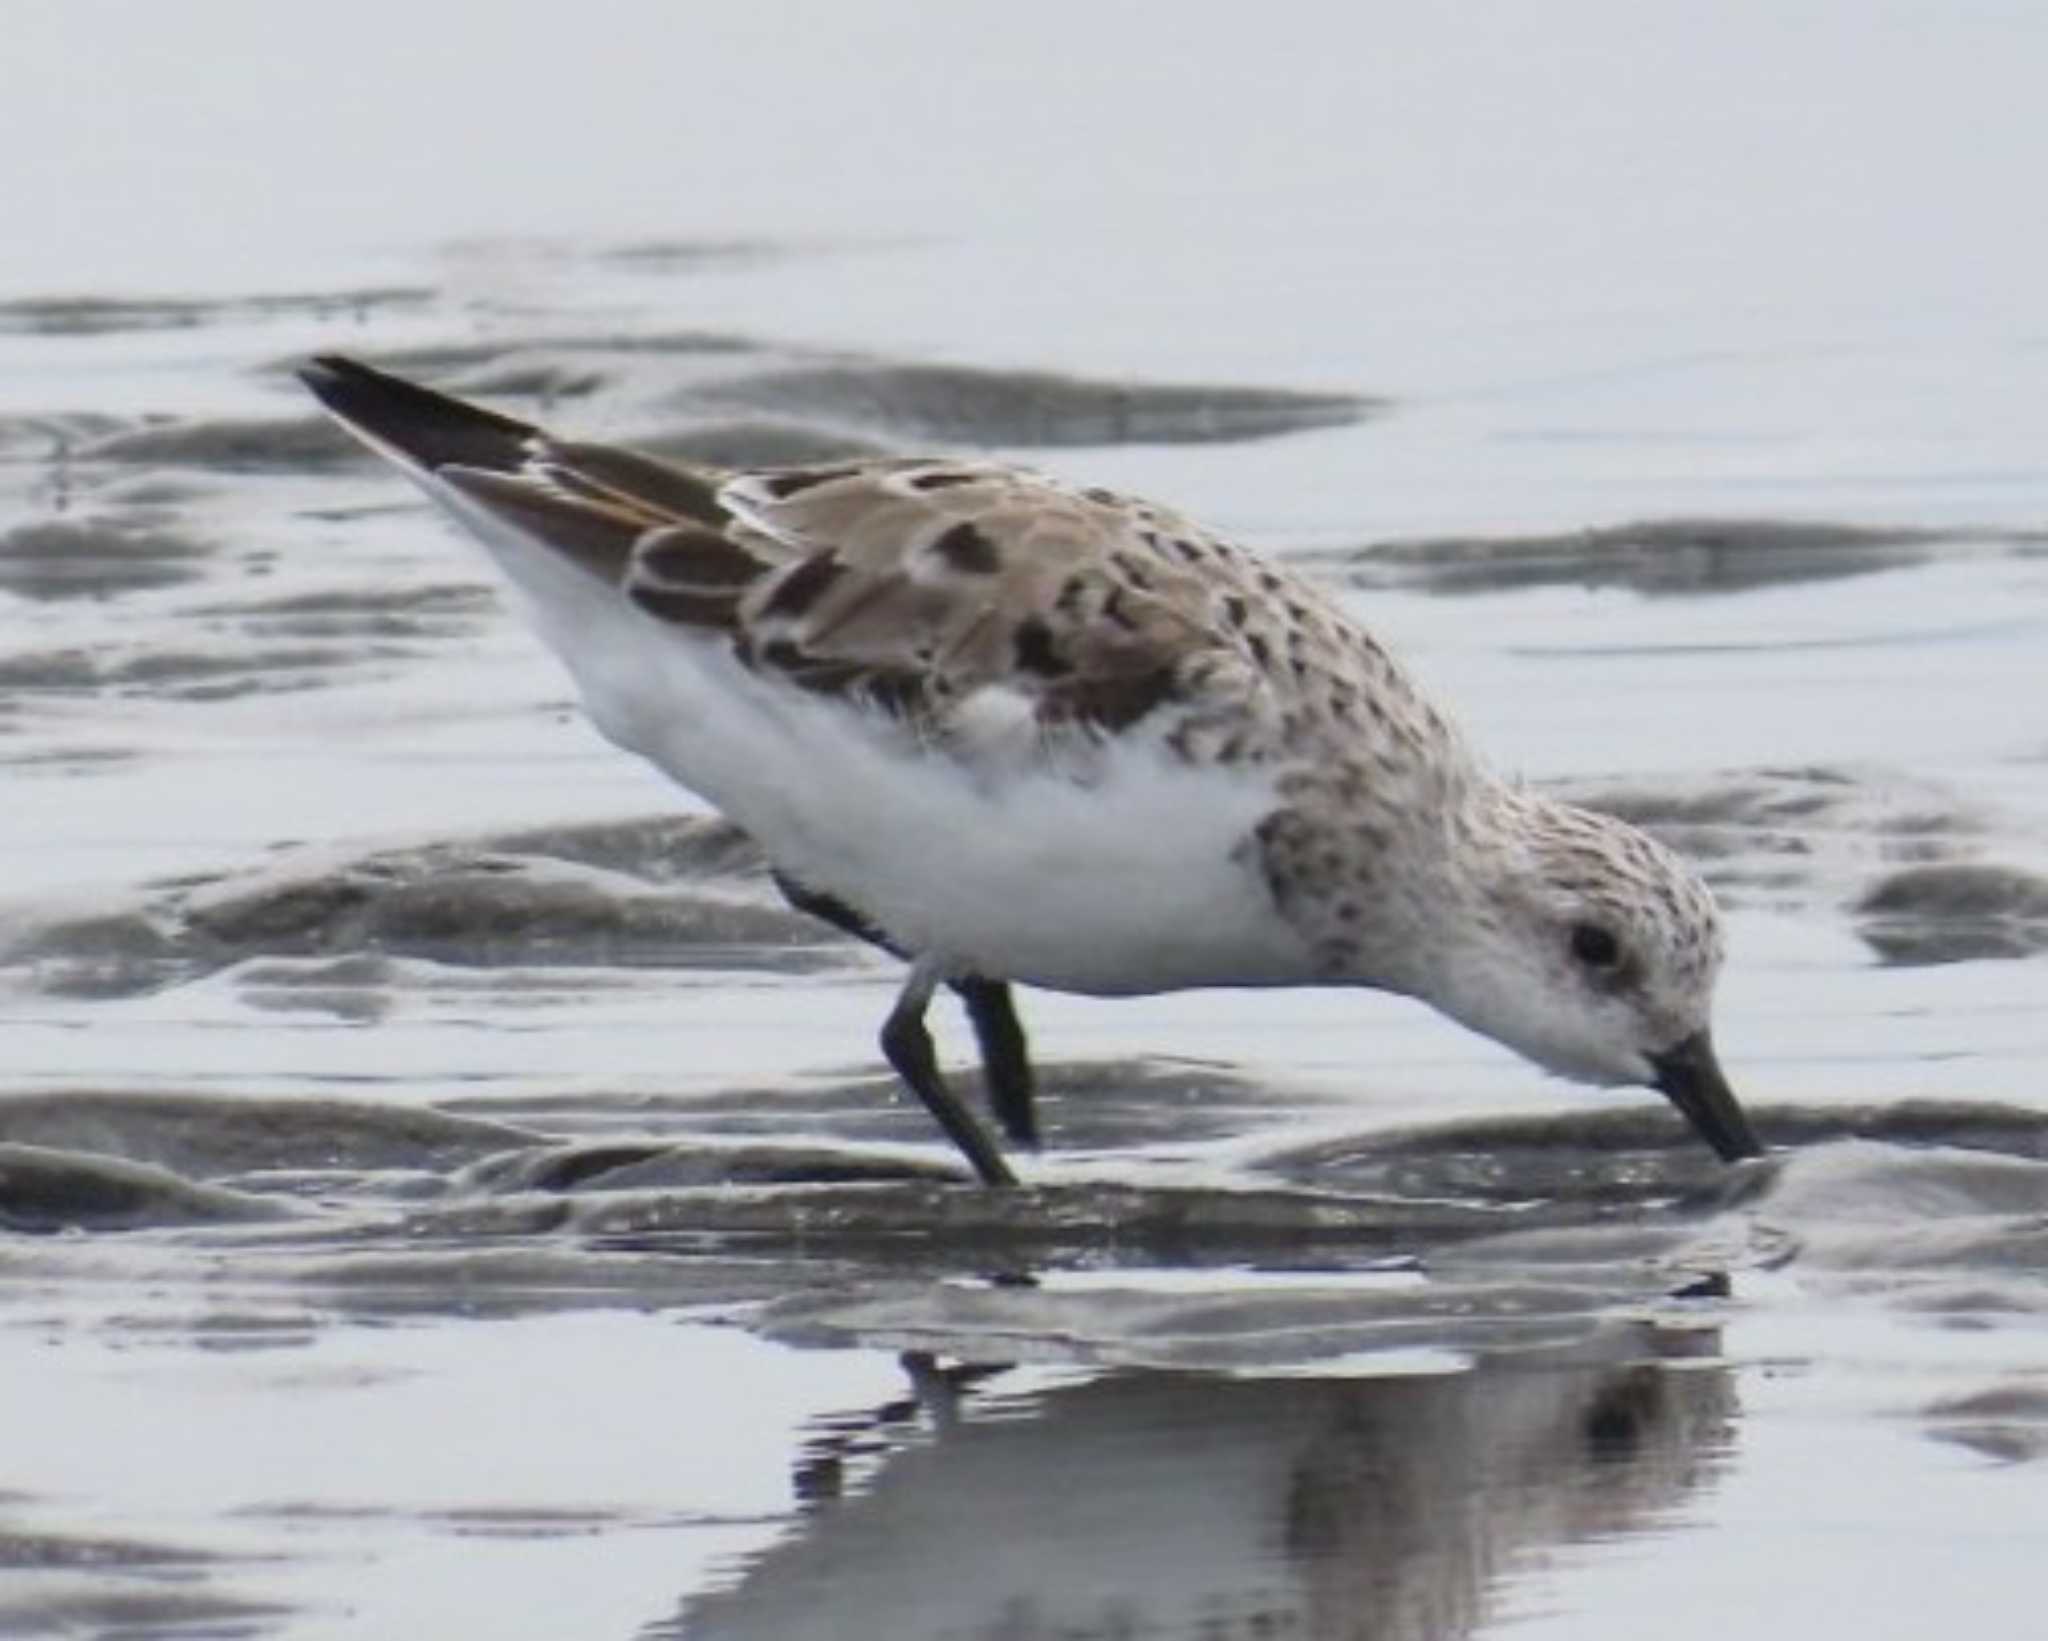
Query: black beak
<point>1690,1077</point>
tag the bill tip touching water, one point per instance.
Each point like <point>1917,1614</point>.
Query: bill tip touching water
<point>1018,731</point>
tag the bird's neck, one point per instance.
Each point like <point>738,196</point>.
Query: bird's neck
<point>1379,871</point>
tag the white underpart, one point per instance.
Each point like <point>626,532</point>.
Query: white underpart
<point>1134,877</point>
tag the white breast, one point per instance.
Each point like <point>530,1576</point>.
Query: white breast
<point>1133,874</point>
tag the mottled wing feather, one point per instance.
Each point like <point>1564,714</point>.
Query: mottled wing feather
<point>921,586</point>
<point>666,561</point>
<point>972,576</point>
<point>596,535</point>
<point>663,491</point>
<point>959,595</point>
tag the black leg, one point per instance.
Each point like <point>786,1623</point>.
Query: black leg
<point>909,1049</point>
<point>1005,1053</point>
<point>1005,1056</point>
<point>830,909</point>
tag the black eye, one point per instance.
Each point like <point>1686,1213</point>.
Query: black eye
<point>1594,946</point>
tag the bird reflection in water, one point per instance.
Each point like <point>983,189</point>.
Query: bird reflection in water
<point>1365,1507</point>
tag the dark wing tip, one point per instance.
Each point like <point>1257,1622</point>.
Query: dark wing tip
<point>425,427</point>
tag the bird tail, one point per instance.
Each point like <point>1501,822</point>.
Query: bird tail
<point>415,425</point>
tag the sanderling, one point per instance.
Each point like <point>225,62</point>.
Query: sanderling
<point>1018,731</point>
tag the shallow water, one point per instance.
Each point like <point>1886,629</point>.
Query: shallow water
<point>442,1186</point>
